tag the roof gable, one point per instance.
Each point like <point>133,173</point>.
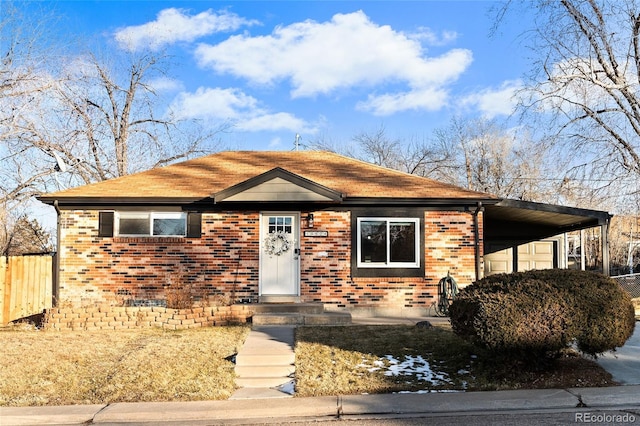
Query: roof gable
<point>277,185</point>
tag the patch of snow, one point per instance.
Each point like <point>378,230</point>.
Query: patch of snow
<point>409,366</point>
<point>288,388</point>
<point>414,365</point>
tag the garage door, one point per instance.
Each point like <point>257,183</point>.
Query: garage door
<point>536,255</point>
<point>499,262</point>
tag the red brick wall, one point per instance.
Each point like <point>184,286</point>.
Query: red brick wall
<point>94,269</point>
<point>325,267</point>
<point>225,261</point>
<point>325,262</point>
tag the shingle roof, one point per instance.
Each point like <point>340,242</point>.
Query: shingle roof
<point>202,177</point>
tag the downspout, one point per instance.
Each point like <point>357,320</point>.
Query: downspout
<point>56,261</point>
<point>476,229</point>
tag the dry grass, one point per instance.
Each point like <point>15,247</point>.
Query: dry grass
<point>59,368</point>
<point>337,361</point>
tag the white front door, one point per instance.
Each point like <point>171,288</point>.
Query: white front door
<point>279,254</point>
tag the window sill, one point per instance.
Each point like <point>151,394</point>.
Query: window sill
<point>387,272</point>
<point>383,266</point>
<point>148,240</point>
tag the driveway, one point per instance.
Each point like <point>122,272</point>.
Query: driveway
<point>624,363</point>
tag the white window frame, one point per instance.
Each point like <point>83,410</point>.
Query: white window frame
<point>151,216</point>
<point>388,263</point>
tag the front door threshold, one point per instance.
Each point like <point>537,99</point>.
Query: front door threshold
<point>279,299</point>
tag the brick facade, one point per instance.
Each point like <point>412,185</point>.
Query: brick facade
<point>224,262</point>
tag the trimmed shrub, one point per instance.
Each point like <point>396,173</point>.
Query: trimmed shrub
<point>538,313</point>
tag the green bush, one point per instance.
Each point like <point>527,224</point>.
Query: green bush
<point>538,313</point>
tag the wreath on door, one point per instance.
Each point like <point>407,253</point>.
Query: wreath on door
<point>277,243</point>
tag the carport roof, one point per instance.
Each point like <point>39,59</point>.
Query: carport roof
<point>514,222</point>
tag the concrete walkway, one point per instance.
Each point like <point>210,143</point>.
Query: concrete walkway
<point>265,363</point>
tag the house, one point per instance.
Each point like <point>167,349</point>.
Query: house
<point>309,226</point>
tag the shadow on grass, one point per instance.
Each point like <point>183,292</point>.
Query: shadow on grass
<point>382,359</point>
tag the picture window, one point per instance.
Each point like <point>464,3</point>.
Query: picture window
<point>388,242</point>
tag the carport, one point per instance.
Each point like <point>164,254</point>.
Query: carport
<point>510,223</point>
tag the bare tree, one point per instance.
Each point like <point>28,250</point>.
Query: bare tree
<point>477,154</point>
<point>485,157</point>
<point>115,121</point>
<point>416,156</point>
<point>585,83</point>
<point>23,53</point>
<point>377,148</point>
<point>97,119</point>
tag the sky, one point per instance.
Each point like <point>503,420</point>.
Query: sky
<point>323,70</point>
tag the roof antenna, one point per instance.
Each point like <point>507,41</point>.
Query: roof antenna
<point>297,141</point>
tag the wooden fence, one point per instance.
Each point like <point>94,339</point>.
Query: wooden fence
<point>26,286</point>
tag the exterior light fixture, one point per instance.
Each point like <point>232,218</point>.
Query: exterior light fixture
<point>310,220</point>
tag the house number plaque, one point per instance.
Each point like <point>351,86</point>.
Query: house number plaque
<point>316,233</point>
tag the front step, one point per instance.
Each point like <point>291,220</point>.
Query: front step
<point>272,308</point>
<point>283,358</point>
<point>262,371</point>
<point>297,314</point>
<point>279,299</point>
<point>294,318</point>
<point>262,382</point>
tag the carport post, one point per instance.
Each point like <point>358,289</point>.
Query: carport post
<point>478,249</point>
<point>604,232</point>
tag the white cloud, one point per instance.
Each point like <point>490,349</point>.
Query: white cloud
<point>492,102</point>
<point>166,84</point>
<point>348,51</point>
<point>430,99</point>
<point>216,103</point>
<point>263,121</point>
<point>275,143</point>
<point>429,36</point>
<point>236,106</point>
<point>174,25</point>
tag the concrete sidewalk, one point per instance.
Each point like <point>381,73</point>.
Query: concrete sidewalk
<point>624,363</point>
<point>250,411</point>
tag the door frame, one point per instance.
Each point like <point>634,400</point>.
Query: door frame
<point>296,246</point>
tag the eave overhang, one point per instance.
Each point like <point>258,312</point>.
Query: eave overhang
<point>431,202</point>
<point>87,202</point>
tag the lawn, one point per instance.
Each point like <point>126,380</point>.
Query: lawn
<point>381,359</point>
<point>60,368</point>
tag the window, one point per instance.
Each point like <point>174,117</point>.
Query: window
<point>388,242</point>
<point>280,224</point>
<point>151,224</point>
